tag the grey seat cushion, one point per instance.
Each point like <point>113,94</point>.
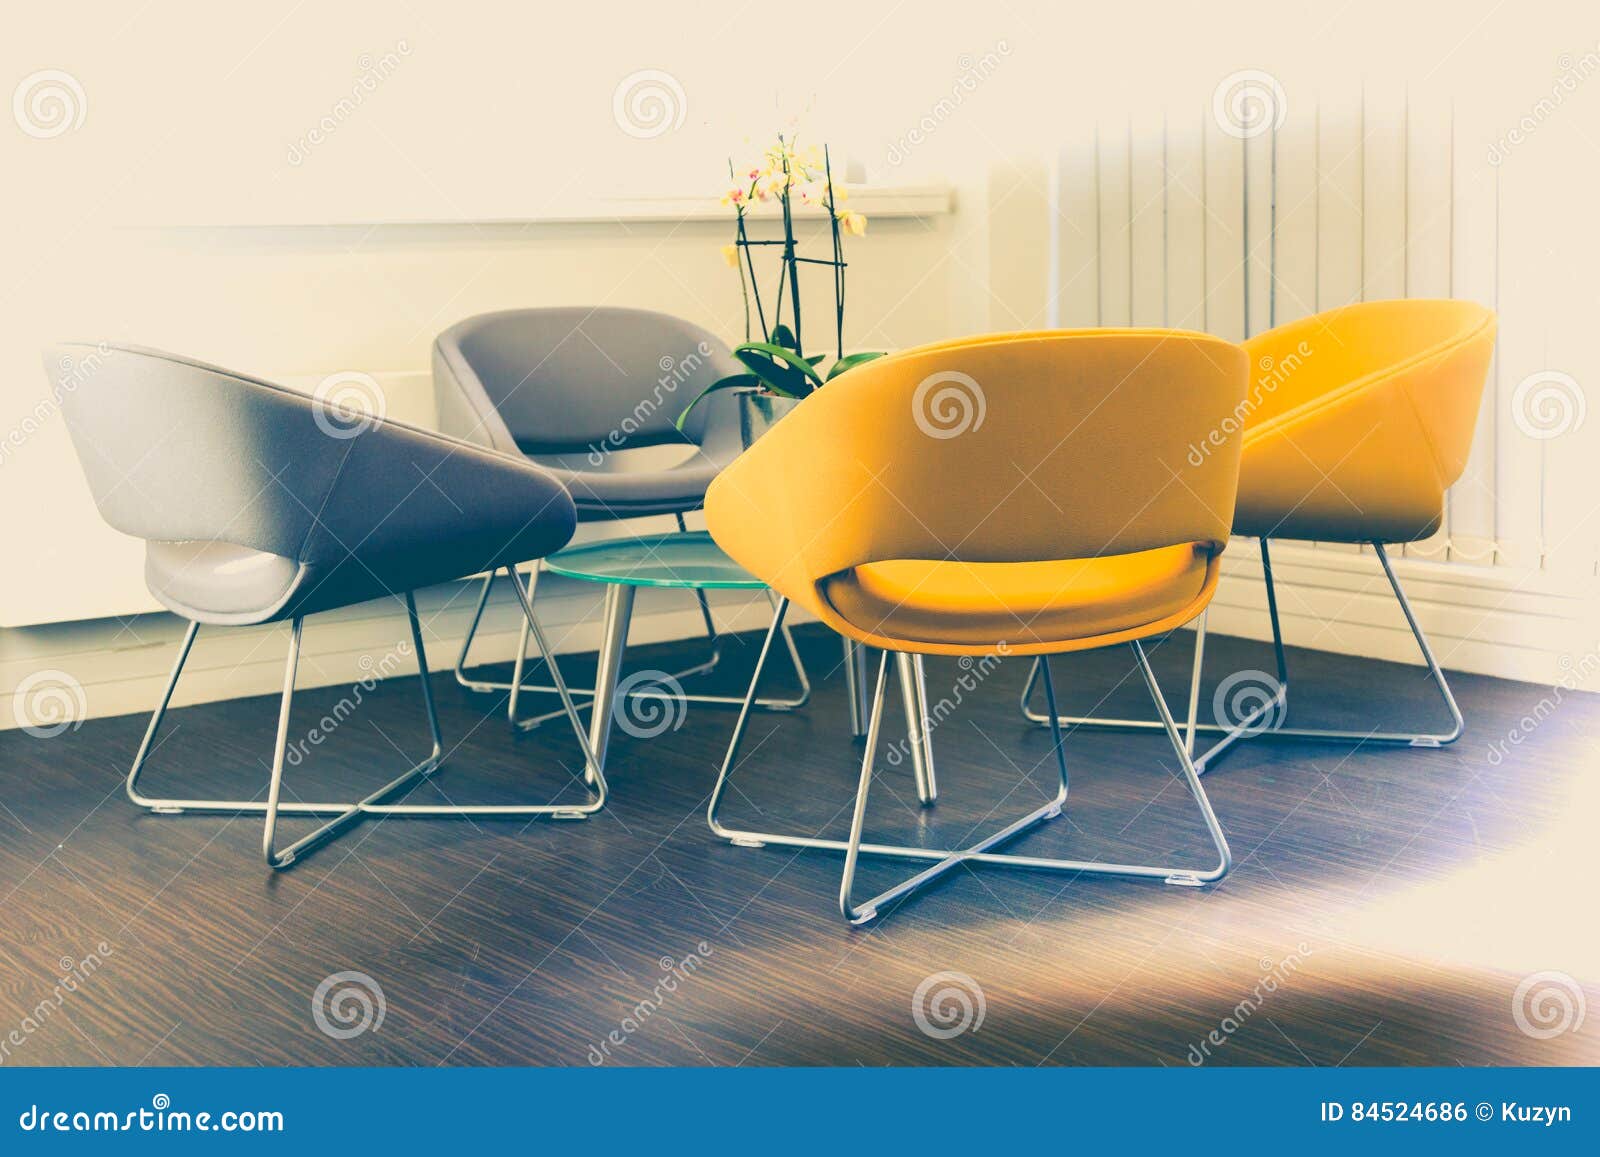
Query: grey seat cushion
<point>593,394</point>
<point>216,581</point>
<point>635,481</point>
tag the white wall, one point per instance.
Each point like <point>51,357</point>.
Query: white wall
<point>189,209</point>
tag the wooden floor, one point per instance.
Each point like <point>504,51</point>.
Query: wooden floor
<point>1386,906</point>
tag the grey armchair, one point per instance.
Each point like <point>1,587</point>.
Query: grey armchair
<point>592,395</point>
<point>256,508</point>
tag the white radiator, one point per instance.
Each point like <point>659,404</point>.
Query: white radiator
<point>1358,193</point>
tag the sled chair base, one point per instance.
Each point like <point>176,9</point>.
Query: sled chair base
<point>1266,720</point>
<point>982,852</point>
<point>347,814</point>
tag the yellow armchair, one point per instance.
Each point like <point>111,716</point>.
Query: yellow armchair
<point>1027,494</point>
<point>1364,420</point>
<point>1036,491</point>
<point>1357,422</point>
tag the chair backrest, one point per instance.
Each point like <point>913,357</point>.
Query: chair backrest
<point>175,450</point>
<point>1437,350</point>
<point>1007,448</point>
<point>568,380</point>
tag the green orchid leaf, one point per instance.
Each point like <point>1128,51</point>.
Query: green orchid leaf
<point>815,359</point>
<point>851,361</point>
<point>783,336</point>
<point>731,382</point>
<point>751,354</point>
<point>777,376</point>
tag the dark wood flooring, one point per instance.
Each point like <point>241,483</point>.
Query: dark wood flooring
<point>1386,906</point>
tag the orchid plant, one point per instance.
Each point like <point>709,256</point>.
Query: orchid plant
<point>794,178</point>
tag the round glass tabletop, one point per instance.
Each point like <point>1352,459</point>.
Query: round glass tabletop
<point>687,559</point>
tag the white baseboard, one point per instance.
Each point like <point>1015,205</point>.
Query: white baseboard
<point>1516,624</point>
<point>1489,620</point>
<point>118,667</point>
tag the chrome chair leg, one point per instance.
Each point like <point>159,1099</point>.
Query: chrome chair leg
<point>1194,680</point>
<point>855,680</point>
<point>855,847</point>
<point>593,771</point>
<point>522,653</point>
<point>466,643</point>
<point>1266,719</point>
<point>345,814</point>
<point>914,693</point>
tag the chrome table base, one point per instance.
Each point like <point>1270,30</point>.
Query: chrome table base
<point>944,860</point>
<point>518,687</point>
<point>1275,709</point>
<point>346,814</point>
<point>618,615</point>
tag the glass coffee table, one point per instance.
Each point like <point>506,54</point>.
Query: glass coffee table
<point>649,703</point>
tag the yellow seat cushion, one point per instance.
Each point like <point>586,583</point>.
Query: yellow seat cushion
<point>1023,604</point>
